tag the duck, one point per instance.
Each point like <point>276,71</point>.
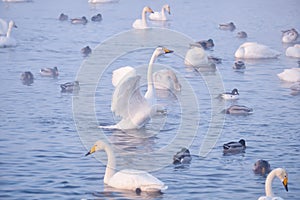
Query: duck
<point>27,78</point>
<point>290,75</point>
<point>6,40</point>
<point>238,110</point>
<point>233,95</point>
<point>253,50</point>
<point>142,23</point>
<point>86,50</point>
<point>206,44</point>
<point>239,65</point>
<point>49,72</point>
<point>182,157</point>
<point>127,179</point>
<point>96,18</point>
<point>234,147</point>
<point>282,175</point>
<point>81,20</point>
<point>70,87</point>
<point>241,34</point>
<point>214,60</point>
<point>63,17</point>
<point>160,16</point>
<point>197,57</point>
<point>261,167</point>
<point>227,26</point>
<point>289,36</point>
<point>293,51</point>
<point>166,79</point>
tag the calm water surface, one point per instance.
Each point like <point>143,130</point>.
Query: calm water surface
<point>42,155</point>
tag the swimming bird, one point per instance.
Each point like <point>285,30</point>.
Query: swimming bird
<point>293,51</point>
<point>166,79</point>
<point>70,87</point>
<point>49,72</point>
<point>63,17</point>
<point>238,110</point>
<point>160,16</point>
<point>3,27</point>
<point>289,36</point>
<point>290,75</point>
<point>233,95</point>
<point>197,57</point>
<point>81,20</point>
<point>234,147</point>
<point>261,167</point>
<point>227,26</point>
<point>241,34</point>
<point>97,18</point>
<point>295,86</point>
<point>253,50</point>
<point>127,179</point>
<point>27,78</point>
<point>142,23</point>
<point>282,175</point>
<point>86,50</point>
<point>206,44</point>
<point>239,65</point>
<point>6,40</point>
<point>128,102</point>
<point>182,157</point>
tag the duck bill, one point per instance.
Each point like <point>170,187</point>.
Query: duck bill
<point>285,183</point>
<point>168,50</point>
<point>93,149</point>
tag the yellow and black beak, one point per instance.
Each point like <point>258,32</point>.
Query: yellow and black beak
<point>285,183</point>
<point>168,50</point>
<point>93,149</point>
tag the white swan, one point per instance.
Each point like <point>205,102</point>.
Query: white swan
<point>142,23</point>
<point>127,179</point>
<point>160,16</point>
<point>7,40</point>
<point>127,101</point>
<point>197,57</point>
<point>282,175</point>
<point>290,75</point>
<point>3,27</point>
<point>293,51</point>
<point>166,79</point>
<point>253,50</point>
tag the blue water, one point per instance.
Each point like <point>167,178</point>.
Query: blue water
<point>42,145</point>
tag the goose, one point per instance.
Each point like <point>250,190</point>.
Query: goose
<point>81,20</point>
<point>206,44</point>
<point>227,26</point>
<point>27,78</point>
<point>86,50</point>
<point>142,23</point>
<point>127,179</point>
<point>290,75</point>
<point>233,95</point>
<point>238,110</point>
<point>182,157</point>
<point>239,65</point>
<point>241,34</point>
<point>63,17</point>
<point>97,18</point>
<point>253,50</point>
<point>49,72</point>
<point>282,175</point>
<point>293,51</point>
<point>128,102</point>
<point>261,167</point>
<point>289,36</point>
<point>234,147</point>
<point>70,87</point>
<point>166,79</point>
<point>160,16</point>
<point>6,40</point>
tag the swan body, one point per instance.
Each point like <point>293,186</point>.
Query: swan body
<point>166,79</point>
<point>63,17</point>
<point>128,102</point>
<point>27,78</point>
<point>290,75</point>
<point>97,18</point>
<point>128,179</point>
<point>49,72</point>
<point>253,50</point>
<point>239,65</point>
<point>182,157</point>
<point>282,175</point>
<point>3,27</point>
<point>233,95</point>
<point>290,36</point>
<point>241,34</point>
<point>196,57</point>
<point>6,40</point>
<point>81,20</point>
<point>238,110</point>
<point>160,16</point>
<point>70,87</point>
<point>227,26</point>
<point>261,167</point>
<point>293,51</point>
<point>142,23</point>
<point>234,147</point>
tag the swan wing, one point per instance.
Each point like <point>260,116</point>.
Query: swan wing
<point>121,73</point>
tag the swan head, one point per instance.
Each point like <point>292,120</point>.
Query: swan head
<point>162,50</point>
<point>99,145</point>
<point>283,176</point>
<point>167,7</point>
<point>12,24</point>
<point>148,9</point>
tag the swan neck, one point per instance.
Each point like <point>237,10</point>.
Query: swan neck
<point>268,184</point>
<point>163,12</point>
<point>9,31</point>
<point>144,17</point>
<point>150,90</point>
<point>111,164</point>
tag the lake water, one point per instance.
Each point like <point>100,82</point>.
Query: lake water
<point>45,134</point>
